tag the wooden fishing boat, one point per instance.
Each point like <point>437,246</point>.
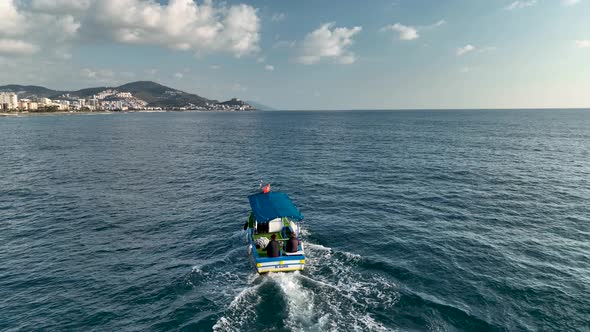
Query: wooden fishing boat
<point>273,215</point>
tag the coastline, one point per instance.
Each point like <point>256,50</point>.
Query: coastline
<point>23,114</point>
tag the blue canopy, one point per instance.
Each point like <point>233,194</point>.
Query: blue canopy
<point>273,205</point>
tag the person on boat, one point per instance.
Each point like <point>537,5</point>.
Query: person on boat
<point>293,243</point>
<point>272,248</point>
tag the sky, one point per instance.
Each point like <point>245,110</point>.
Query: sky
<point>310,54</point>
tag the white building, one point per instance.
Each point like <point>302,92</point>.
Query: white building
<point>62,102</point>
<point>44,102</point>
<point>112,105</point>
<point>76,104</point>
<point>103,94</point>
<point>124,95</point>
<point>8,100</point>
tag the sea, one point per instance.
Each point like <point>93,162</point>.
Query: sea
<point>425,220</point>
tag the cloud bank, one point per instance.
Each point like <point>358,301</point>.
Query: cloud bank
<point>16,47</point>
<point>180,24</point>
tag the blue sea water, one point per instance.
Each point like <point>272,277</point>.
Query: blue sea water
<point>415,221</point>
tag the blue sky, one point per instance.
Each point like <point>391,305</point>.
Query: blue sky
<point>321,54</point>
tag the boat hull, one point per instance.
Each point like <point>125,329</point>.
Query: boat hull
<point>284,263</point>
<point>280,264</point>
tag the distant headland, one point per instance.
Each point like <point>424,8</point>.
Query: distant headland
<point>135,96</point>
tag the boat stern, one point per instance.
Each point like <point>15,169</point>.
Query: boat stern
<point>280,264</point>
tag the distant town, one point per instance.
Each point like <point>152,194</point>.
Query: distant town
<point>110,100</point>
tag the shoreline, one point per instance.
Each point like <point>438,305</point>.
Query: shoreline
<point>23,114</point>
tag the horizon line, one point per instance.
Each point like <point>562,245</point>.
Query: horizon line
<point>431,109</point>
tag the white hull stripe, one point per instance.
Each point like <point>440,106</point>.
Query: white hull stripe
<point>287,262</point>
<point>280,268</point>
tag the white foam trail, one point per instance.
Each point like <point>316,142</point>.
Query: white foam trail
<point>344,291</point>
<point>351,255</point>
<point>316,246</point>
<point>299,299</point>
<point>333,294</point>
<point>319,282</point>
<point>241,309</point>
<point>320,247</point>
<point>303,231</point>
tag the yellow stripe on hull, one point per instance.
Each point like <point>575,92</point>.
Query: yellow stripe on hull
<point>284,269</point>
<point>290,262</point>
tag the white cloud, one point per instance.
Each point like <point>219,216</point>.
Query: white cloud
<point>583,43</point>
<point>520,4</point>
<point>101,76</point>
<point>200,27</point>
<point>36,29</point>
<point>570,2</point>
<point>181,25</point>
<point>405,32</point>
<point>178,75</point>
<point>60,28</point>
<point>330,43</point>
<point>277,17</point>
<point>11,22</point>
<point>269,67</point>
<point>465,49</point>
<point>60,6</point>
<point>214,67</point>
<point>17,47</point>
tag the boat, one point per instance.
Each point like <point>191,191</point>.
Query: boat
<point>273,213</point>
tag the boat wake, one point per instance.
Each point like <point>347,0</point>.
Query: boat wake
<point>332,294</point>
<point>241,312</point>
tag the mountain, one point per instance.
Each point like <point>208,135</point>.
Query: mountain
<point>154,94</point>
<point>260,107</point>
<point>236,104</point>
<point>25,91</point>
<point>84,93</point>
<point>157,95</point>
